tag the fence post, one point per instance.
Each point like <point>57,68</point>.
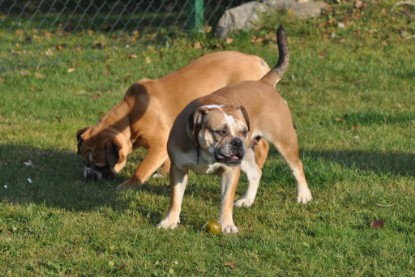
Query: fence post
<point>195,11</point>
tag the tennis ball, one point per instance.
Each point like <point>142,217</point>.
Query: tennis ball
<point>212,227</point>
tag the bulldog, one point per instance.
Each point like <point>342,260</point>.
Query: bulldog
<point>219,134</point>
<point>145,115</point>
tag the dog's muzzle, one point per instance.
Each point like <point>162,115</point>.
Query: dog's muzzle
<point>231,152</point>
<point>98,173</point>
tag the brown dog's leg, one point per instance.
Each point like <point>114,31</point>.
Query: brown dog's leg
<point>155,157</point>
<point>230,178</point>
<point>178,182</point>
<point>165,168</point>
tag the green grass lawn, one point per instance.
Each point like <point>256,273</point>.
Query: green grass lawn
<point>351,91</point>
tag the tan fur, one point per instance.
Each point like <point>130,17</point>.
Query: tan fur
<point>145,115</point>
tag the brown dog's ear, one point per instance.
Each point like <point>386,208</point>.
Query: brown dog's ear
<point>112,150</point>
<point>245,114</point>
<point>196,120</point>
<point>79,139</point>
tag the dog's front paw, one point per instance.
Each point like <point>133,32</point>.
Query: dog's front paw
<point>244,202</point>
<point>230,229</point>
<point>168,223</point>
<point>304,195</point>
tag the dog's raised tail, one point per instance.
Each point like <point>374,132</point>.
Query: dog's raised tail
<point>276,74</point>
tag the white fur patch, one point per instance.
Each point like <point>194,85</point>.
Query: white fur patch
<point>212,106</point>
<point>253,172</point>
<point>230,120</point>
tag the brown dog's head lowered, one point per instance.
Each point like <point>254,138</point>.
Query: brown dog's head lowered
<point>220,131</point>
<point>104,153</point>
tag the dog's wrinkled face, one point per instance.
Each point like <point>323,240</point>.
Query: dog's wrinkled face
<point>221,131</point>
<point>101,153</point>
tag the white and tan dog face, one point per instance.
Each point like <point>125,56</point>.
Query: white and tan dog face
<point>221,131</point>
<point>104,154</point>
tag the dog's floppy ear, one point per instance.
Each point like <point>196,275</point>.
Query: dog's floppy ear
<point>79,139</point>
<point>196,120</point>
<point>112,150</point>
<point>245,114</point>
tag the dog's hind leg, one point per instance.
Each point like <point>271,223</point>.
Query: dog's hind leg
<point>164,169</point>
<point>155,157</point>
<point>287,145</point>
<point>261,152</point>
<point>254,173</point>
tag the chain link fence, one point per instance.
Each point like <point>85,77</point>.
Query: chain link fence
<point>43,33</point>
<point>109,16</point>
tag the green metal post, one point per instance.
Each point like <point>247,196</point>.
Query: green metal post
<point>195,11</point>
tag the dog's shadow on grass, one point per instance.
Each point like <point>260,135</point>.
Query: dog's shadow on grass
<point>49,177</point>
<point>378,163</point>
<point>54,178</point>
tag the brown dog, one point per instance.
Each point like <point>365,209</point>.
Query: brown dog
<point>216,134</point>
<point>145,115</point>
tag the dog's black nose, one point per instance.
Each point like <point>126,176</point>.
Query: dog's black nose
<point>91,174</point>
<point>236,143</point>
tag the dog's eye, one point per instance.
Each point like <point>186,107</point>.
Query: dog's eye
<point>245,133</point>
<point>221,132</point>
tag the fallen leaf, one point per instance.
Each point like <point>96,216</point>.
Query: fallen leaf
<point>197,45</point>
<point>359,4</point>
<point>207,28</point>
<point>230,264</point>
<point>133,56</point>
<point>70,70</point>
<point>256,39</point>
<point>39,75</point>
<point>48,34</point>
<point>148,60</point>
<point>24,73</point>
<point>126,78</point>
<point>229,40</point>
<point>122,266</point>
<point>377,224</point>
<point>19,32</point>
<point>28,163</point>
<point>135,34</point>
<point>98,45</point>
<point>49,52</point>
<point>60,47</point>
<point>96,96</point>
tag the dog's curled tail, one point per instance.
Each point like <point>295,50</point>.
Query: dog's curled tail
<point>276,74</point>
